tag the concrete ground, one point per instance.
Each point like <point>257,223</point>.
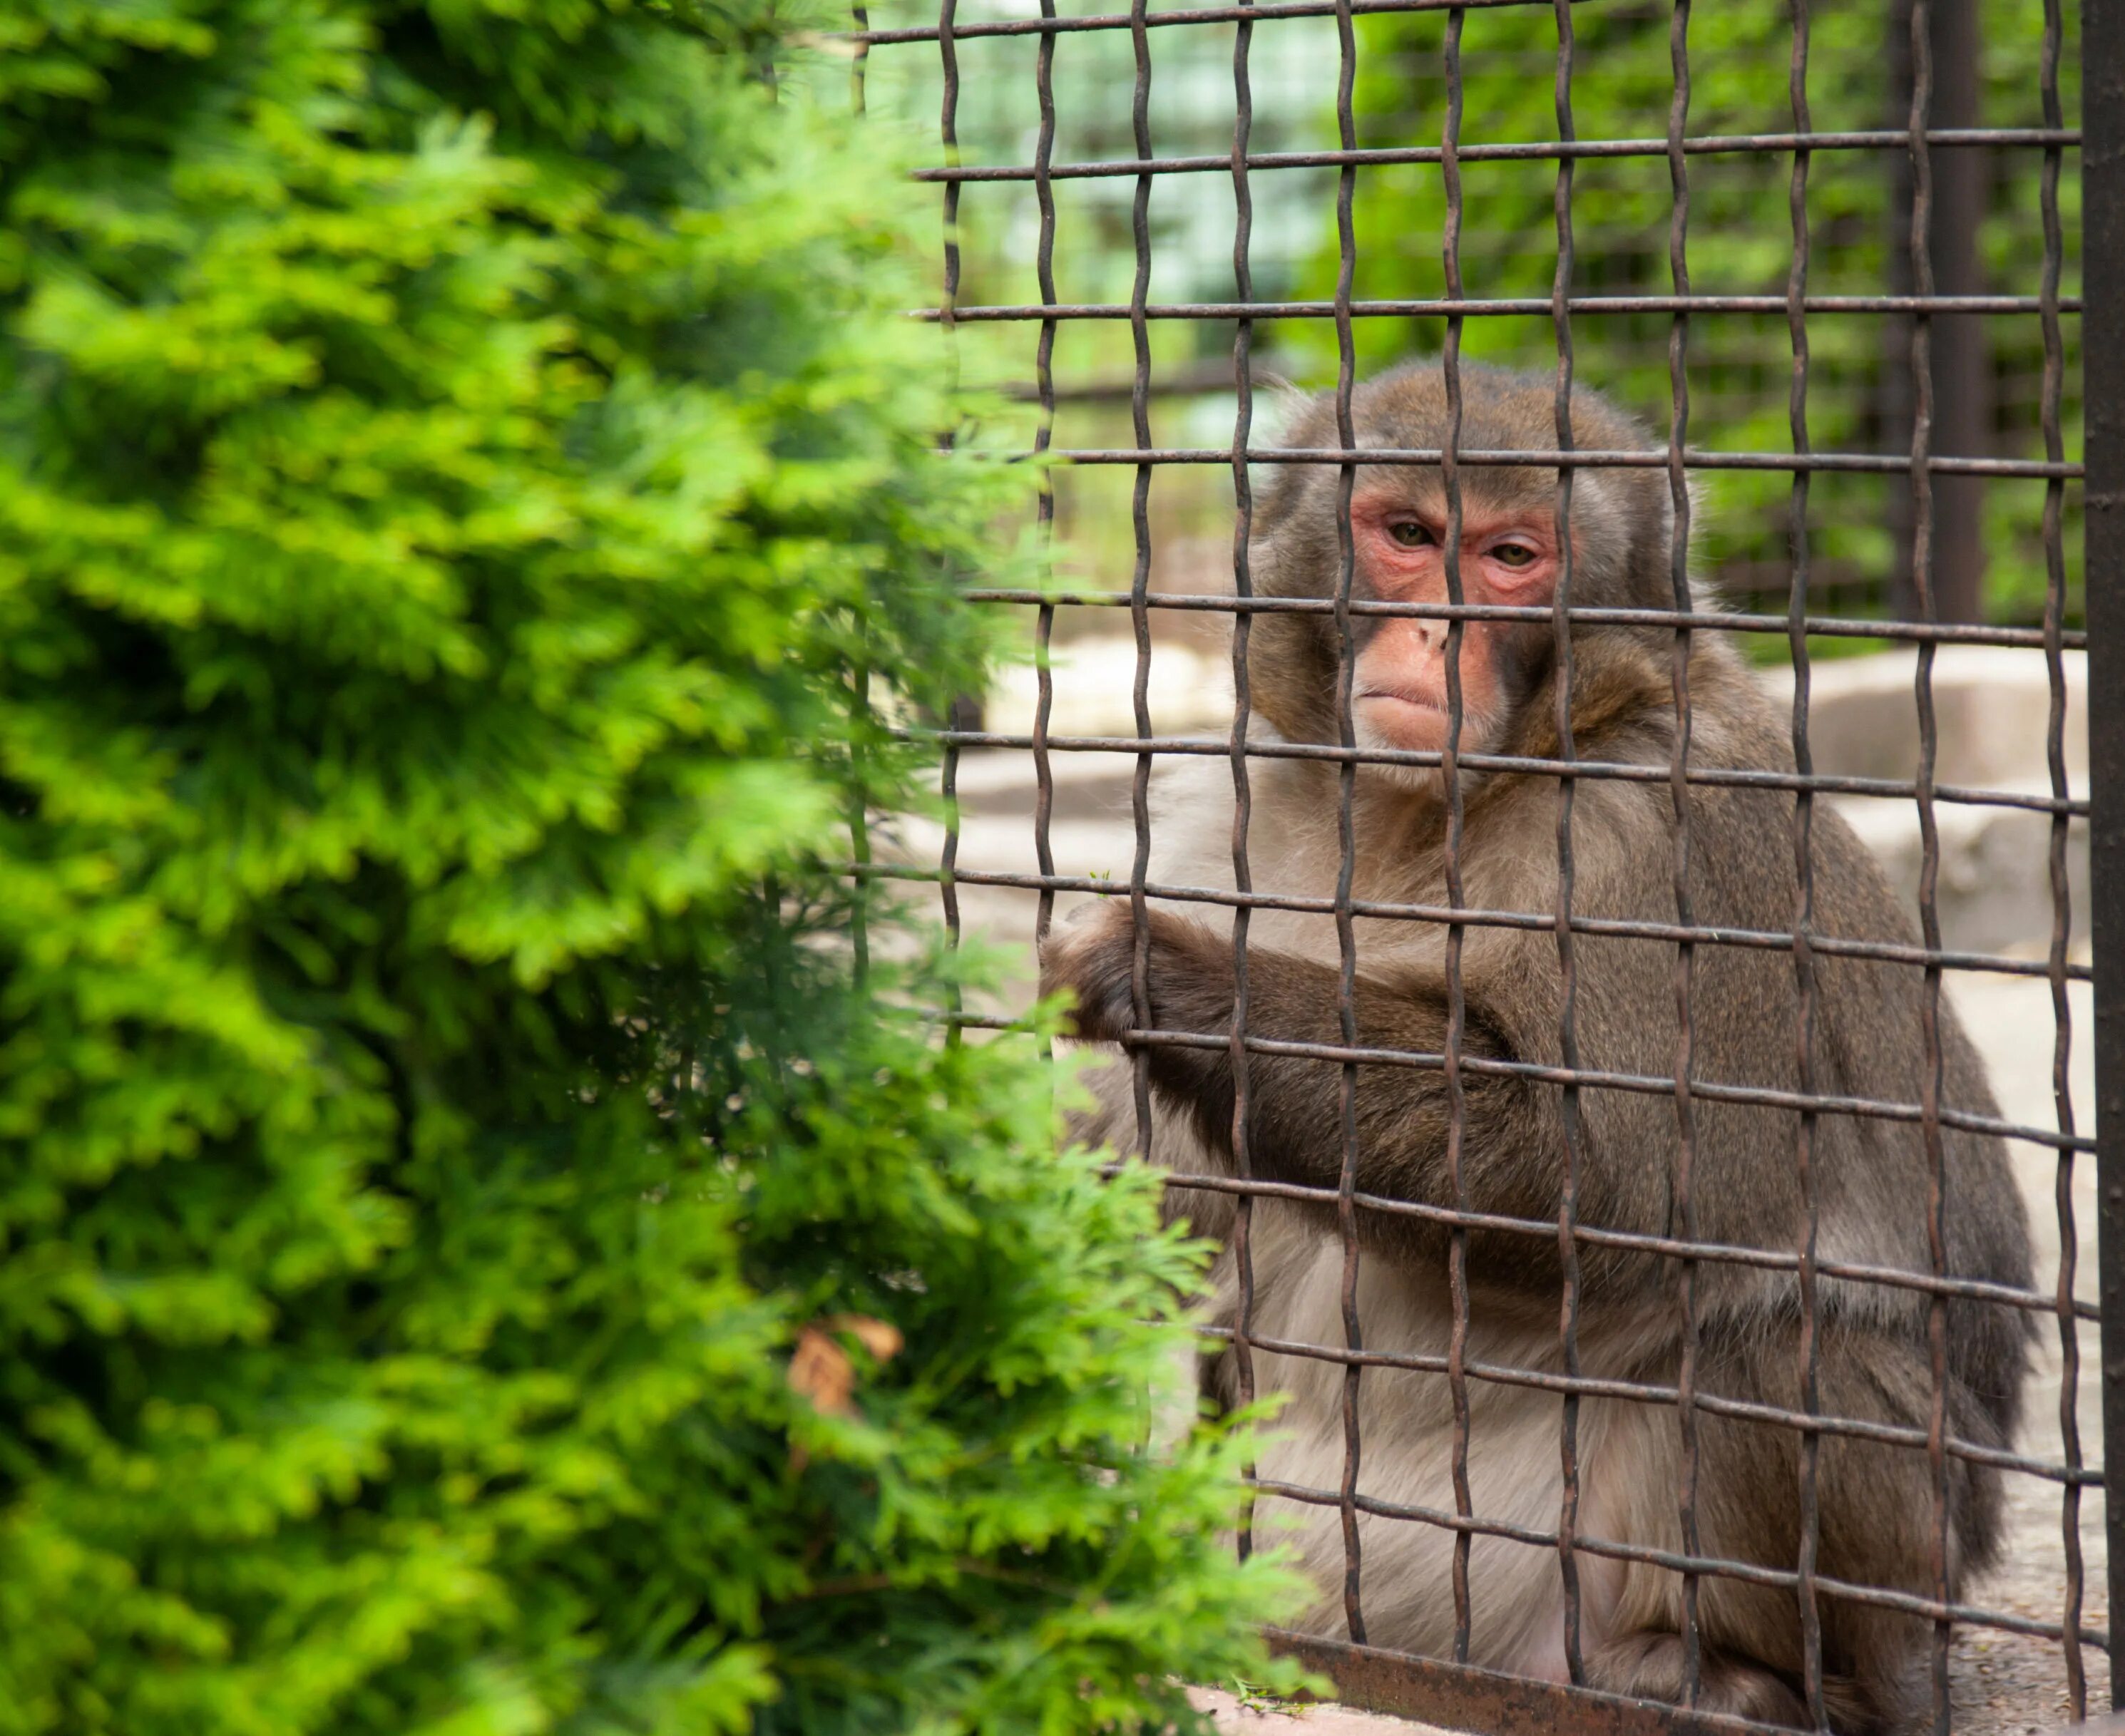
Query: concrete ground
<point>2002,1682</point>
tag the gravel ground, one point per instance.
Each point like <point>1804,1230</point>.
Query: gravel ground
<point>2002,1682</point>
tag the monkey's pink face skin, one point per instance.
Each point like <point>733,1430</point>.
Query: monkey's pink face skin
<point>1399,697</point>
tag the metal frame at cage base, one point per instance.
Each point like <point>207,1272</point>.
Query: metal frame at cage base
<point>1447,1690</point>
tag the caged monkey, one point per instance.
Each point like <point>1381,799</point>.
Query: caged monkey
<point>1870,1174</point>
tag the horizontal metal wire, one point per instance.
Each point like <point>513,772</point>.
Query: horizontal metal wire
<point>1631,1241</point>
<point>1159,21</point>
<point>1889,1276</point>
<point>1870,463</point>
<point>1759,1096</point>
<point>1886,952</point>
<point>1640,1392</point>
<point>1714,777</point>
<point>1532,151</point>
<point>1828,626</point>
<point>1764,1097</point>
<point>1724,1567</point>
<point>1669,1247</point>
<point>1517,307</point>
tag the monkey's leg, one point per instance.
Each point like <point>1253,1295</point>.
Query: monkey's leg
<point>1649,1666</point>
<point>1875,1527</point>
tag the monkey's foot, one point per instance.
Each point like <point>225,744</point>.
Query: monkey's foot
<point>1649,1667</point>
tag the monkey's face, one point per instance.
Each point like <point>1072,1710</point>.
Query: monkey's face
<point>1508,554</point>
<point>1400,693</point>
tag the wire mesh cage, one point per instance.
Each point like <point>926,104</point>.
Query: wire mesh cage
<point>1839,249</point>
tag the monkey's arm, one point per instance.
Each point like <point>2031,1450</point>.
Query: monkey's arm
<point>1295,1121</point>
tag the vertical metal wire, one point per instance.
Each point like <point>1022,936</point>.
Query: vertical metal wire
<point>1685,958</point>
<point>859,677</point>
<point>859,824</point>
<point>859,63</point>
<point>2053,394</point>
<point>1346,667</point>
<point>1243,524</point>
<point>1449,775</point>
<point>1803,845</point>
<point>1140,582</point>
<point>1929,1083</point>
<point>2103,497</point>
<point>1043,374</point>
<point>948,890</point>
<point>1568,1216</point>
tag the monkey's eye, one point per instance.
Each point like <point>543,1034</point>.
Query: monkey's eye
<point>1410,534</point>
<point>1514,554</point>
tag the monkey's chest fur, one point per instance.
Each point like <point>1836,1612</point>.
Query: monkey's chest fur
<point>1728,1173</point>
<point>1511,1465</point>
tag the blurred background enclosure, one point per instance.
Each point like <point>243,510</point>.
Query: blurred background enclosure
<point>1986,240</point>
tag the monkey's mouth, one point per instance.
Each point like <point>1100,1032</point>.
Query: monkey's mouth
<point>1373,695</point>
<point>1402,720</point>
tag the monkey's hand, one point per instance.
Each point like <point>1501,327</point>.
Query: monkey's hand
<point>1296,1102</point>
<point>1187,981</point>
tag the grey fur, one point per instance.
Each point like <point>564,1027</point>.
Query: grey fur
<point>1870,1174</point>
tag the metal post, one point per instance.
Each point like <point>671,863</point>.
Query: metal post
<point>2102,96</point>
<point>1959,374</point>
<point>1962,383</point>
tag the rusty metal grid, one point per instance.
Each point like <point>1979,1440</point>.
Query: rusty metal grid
<point>1450,1688</point>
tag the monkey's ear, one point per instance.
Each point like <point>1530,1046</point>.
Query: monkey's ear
<point>1282,411</point>
<point>1698,492</point>
<point>1290,407</point>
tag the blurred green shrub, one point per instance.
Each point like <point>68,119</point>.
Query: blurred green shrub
<point>476,1253</point>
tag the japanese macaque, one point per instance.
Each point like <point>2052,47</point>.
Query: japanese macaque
<point>1744,1180</point>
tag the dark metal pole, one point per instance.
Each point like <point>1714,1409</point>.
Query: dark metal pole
<point>2102,95</point>
<point>1962,372</point>
<point>1894,387</point>
<point>1963,377</point>
<point>1963,369</point>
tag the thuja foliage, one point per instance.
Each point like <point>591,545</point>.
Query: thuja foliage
<point>477,1255</point>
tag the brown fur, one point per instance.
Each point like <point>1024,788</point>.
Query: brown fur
<point>1871,1174</point>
